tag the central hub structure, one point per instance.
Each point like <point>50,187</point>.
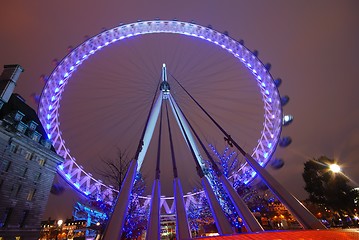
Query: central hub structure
<point>165,86</point>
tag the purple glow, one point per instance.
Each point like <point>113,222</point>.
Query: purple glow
<point>54,84</point>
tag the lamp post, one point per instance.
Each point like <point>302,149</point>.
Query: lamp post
<point>59,226</point>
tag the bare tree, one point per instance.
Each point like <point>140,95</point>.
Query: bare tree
<point>113,171</point>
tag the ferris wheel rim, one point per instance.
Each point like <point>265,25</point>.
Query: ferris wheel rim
<point>49,103</point>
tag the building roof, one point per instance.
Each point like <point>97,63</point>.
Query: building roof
<point>17,103</point>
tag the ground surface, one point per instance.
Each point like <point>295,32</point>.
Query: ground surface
<point>348,234</point>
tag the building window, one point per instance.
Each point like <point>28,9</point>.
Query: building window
<point>13,148</point>
<point>25,213</point>
<point>42,162</point>
<point>6,166</point>
<point>31,194</point>
<point>15,190</point>
<point>6,217</point>
<point>28,155</point>
<point>24,172</point>
<point>37,176</point>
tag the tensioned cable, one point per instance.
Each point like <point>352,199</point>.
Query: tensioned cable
<point>140,144</point>
<point>227,137</point>
<point>159,149</point>
<point>175,173</point>
<point>198,167</point>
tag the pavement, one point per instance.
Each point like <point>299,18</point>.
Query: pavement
<point>330,234</point>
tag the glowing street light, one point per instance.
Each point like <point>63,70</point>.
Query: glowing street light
<point>335,168</point>
<point>59,223</point>
<point>59,227</point>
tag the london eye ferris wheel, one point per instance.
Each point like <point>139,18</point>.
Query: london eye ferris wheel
<point>111,78</point>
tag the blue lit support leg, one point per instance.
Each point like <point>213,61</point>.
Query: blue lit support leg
<point>244,212</point>
<point>154,226</point>
<point>117,220</point>
<point>182,227</point>
<point>115,225</point>
<point>220,219</point>
<point>300,212</point>
<point>149,129</point>
<point>186,131</point>
<point>241,207</point>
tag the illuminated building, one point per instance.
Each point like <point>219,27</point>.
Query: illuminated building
<point>27,163</point>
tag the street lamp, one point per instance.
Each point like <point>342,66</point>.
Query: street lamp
<point>59,224</point>
<point>335,168</point>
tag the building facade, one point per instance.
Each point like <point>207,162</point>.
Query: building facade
<point>27,163</point>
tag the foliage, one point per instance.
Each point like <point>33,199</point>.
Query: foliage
<point>258,198</point>
<point>327,188</point>
<point>199,213</point>
<point>136,219</point>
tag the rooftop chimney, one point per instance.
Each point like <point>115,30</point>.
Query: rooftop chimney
<point>8,80</point>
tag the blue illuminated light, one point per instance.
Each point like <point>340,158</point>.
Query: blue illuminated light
<point>259,77</point>
<point>53,98</point>
<point>57,90</point>
<point>61,167</point>
<point>61,82</point>
<point>86,193</point>
<point>68,176</point>
<point>49,136</point>
<point>78,62</point>
<point>265,155</point>
<point>66,75</point>
<point>50,107</point>
<point>99,47</point>
<point>263,84</point>
<point>92,51</point>
<point>77,185</point>
<point>129,35</point>
<point>249,65</point>
<point>269,145</point>
<point>84,56</point>
<point>48,126</point>
<point>48,116</point>
<point>122,37</point>
<point>269,100</point>
<point>267,92</point>
<point>107,43</point>
<point>72,68</point>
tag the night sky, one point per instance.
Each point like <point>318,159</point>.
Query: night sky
<point>311,45</point>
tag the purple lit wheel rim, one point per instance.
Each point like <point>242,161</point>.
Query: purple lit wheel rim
<point>49,104</point>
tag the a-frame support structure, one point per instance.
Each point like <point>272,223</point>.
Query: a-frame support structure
<point>116,223</point>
